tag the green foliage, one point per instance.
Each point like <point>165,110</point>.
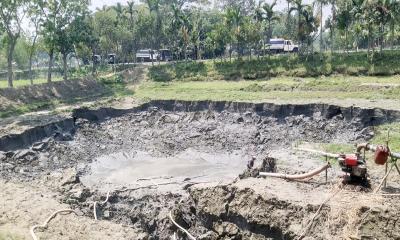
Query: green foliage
<point>181,71</point>
<point>394,135</point>
<point>21,54</point>
<point>338,148</point>
<point>355,64</point>
<point>287,89</point>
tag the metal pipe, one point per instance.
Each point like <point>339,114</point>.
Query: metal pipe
<point>296,176</point>
<point>372,148</point>
<point>325,154</point>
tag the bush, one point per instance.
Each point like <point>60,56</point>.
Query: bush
<point>315,65</point>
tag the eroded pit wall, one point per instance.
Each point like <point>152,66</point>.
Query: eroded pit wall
<point>368,117</point>
<point>363,117</point>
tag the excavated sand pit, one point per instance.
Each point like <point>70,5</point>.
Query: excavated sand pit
<point>186,158</point>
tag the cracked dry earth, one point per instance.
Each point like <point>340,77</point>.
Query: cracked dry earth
<point>190,161</point>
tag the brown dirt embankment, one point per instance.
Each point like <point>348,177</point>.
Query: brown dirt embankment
<point>62,91</point>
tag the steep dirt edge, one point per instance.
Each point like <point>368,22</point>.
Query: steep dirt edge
<point>367,117</point>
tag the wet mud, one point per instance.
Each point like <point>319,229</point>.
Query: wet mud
<point>192,159</point>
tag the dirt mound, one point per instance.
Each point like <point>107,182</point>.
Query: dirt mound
<point>61,90</point>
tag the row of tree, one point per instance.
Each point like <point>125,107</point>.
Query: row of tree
<point>190,28</point>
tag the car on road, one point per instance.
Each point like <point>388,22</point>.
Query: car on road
<point>165,55</point>
<point>280,45</point>
<point>96,59</point>
<point>112,58</point>
<point>147,55</point>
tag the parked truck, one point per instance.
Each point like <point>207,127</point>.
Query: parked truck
<point>280,45</point>
<point>146,55</point>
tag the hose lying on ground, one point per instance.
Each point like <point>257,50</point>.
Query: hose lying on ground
<point>296,176</point>
<point>32,230</point>
<point>95,203</point>
<point>181,228</point>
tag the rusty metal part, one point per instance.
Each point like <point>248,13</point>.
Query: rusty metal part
<point>373,148</point>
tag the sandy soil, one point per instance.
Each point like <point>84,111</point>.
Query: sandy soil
<point>26,204</point>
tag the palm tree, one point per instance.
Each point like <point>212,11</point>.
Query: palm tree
<point>330,24</point>
<point>288,27</point>
<point>387,12</point>
<point>119,10</point>
<point>270,16</point>
<point>309,25</point>
<point>299,7</point>
<point>333,23</point>
<point>154,6</point>
<point>321,4</point>
<point>131,11</point>
<point>234,19</point>
<point>259,18</point>
<point>394,12</point>
<point>344,20</point>
<point>104,8</point>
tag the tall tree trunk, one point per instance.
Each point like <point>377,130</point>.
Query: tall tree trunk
<point>369,40</point>
<point>10,52</point>
<point>30,68</point>
<point>94,64</point>
<point>382,29</point>
<point>31,52</point>
<point>298,26</point>
<point>65,66</point>
<point>392,35</point>
<point>50,68</point>
<point>320,34</point>
<point>331,35</point>
<point>151,55</point>
<point>185,52</point>
<point>230,53</point>
<point>333,27</point>
<point>269,31</point>
<point>288,19</point>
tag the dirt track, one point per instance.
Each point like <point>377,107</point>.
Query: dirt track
<point>186,158</point>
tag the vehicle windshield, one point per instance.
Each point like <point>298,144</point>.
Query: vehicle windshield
<point>276,41</point>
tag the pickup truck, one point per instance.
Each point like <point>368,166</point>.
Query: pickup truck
<point>145,55</point>
<point>280,45</point>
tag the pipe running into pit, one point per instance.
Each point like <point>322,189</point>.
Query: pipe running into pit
<point>325,154</point>
<point>296,176</point>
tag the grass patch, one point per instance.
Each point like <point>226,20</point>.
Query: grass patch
<point>381,135</point>
<point>338,147</point>
<point>25,108</point>
<point>179,71</point>
<point>27,82</point>
<point>292,65</point>
<point>282,88</point>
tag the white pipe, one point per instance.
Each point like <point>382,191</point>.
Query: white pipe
<point>180,227</point>
<point>296,176</point>
<point>331,155</point>
<point>32,230</point>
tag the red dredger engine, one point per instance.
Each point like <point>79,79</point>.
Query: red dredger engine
<point>353,164</point>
